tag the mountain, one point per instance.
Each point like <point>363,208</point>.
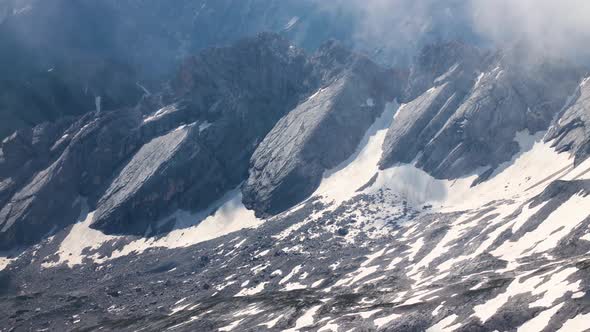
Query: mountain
<point>185,147</point>
<point>60,55</point>
<point>449,197</point>
<point>263,186</point>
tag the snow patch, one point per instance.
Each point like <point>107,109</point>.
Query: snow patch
<point>341,183</point>
<point>443,325</point>
<point>98,103</point>
<point>379,322</point>
<point>160,113</point>
<point>80,237</point>
<point>294,286</point>
<point>252,291</point>
<point>190,229</point>
<point>291,23</point>
<point>576,324</point>
<point>293,272</point>
<point>231,327</point>
<point>305,320</point>
<point>272,323</point>
<point>540,321</point>
<point>203,126</point>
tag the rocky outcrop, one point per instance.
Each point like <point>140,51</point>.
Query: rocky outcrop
<point>571,132</point>
<point>416,123</point>
<point>243,90</point>
<point>442,61</point>
<point>180,148</point>
<point>170,172</point>
<point>319,133</point>
<point>80,163</point>
<point>470,117</point>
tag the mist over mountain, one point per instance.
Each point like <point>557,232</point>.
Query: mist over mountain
<point>294,165</point>
<point>123,49</point>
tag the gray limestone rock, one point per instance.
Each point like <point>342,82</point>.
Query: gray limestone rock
<point>169,172</point>
<point>49,199</point>
<point>319,133</point>
<point>417,122</point>
<point>134,166</point>
<point>571,132</point>
<point>470,117</point>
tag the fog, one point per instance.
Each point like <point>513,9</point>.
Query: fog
<point>540,28</point>
<point>543,27</point>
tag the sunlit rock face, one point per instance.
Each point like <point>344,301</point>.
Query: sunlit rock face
<point>572,131</point>
<point>469,115</point>
<point>320,132</point>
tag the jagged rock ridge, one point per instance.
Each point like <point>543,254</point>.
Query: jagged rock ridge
<point>469,117</point>
<point>186,146</point>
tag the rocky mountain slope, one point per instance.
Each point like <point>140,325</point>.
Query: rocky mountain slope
<point>60,55</point>
<point>265,188</point>
<point>185,147</point>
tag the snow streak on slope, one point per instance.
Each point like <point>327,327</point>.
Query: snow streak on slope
<point>340,183</point>
<point>4,261</point>
<point>80,237</point>
<point>547,235</point>
<point>525,176</point>
<point>190,229</point>
<point>223,217</point>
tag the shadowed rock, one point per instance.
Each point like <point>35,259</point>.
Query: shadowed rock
<point>169,172</point>
<point>95,145</point>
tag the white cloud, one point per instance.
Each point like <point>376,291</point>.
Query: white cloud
<point>544,27</point>
<point>557,28</point>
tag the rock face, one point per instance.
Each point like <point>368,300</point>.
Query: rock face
<point>242,91</point>
<point>263,113</point>
<point>76,164</point>
<point>169,172</point>
<point>319,133</point>
<point>469,118</point>
<point>396,249</point>
<point>184,147</point>
<point>59,55</point>
<point>497,265</point>
<point>572,130</point>
<point>442,62</point>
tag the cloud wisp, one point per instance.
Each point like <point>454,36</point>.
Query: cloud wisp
<point>540,28</point>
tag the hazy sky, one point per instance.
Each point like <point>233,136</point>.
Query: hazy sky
<point>559,28</point>
<point>548,27</point>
